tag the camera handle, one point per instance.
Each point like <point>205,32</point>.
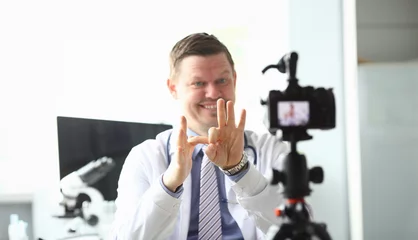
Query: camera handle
<point>287,64</point>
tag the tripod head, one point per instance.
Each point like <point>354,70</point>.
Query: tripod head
<point>294,111</point>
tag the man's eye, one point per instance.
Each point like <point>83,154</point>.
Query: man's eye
<point>222,80</point>
<point>198,84</point>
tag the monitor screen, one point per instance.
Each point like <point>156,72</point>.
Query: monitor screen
<point>293,113</point>
<point>82,140</point>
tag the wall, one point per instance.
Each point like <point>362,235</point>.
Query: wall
<point>389,124</point>
<point>387,30</point>
<point>388,36</point>
<point>95,61</point>
<point>316,33</point>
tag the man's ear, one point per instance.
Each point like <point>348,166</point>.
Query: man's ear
<point>234,75</point>
<point>171,85</point>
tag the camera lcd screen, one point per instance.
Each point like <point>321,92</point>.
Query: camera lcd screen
<point>293,113</point>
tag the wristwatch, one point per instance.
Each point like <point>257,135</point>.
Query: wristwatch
<point>239,167</point>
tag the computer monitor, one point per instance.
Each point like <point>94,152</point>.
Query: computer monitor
<point>81,140</point>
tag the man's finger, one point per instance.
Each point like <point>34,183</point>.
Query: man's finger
<point>230,111</point>
<point>183,123</point>
<point>198,139</point>
<point>211,152</point>
<point>213,135</point>
<point>181,137</point>
<point>241,124</point>
<point>221,113</point>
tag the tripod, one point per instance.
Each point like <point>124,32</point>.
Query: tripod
<point>295,178</point>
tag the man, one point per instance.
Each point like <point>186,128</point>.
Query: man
<point>294,117</point>
<point>200,180</point>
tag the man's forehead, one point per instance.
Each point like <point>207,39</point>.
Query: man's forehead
<point>205,62</point>
<point>196,69</point>
<point>198,76</point>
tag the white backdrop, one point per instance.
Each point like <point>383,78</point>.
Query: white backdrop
<point>108,60</point>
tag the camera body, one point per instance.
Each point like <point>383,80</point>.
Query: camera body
<point>305,107</point>
<point>297,108</point>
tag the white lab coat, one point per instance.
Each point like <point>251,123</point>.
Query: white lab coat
<point>146,211</point>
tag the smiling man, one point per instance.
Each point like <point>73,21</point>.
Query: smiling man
<point>208,177</point>
<point>199,77</point>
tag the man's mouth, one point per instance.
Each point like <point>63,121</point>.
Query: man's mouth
<point>209,106</point>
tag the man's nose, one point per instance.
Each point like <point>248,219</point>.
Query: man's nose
<point>212,91</point>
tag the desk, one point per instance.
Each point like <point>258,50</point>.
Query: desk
<point>15,198</point>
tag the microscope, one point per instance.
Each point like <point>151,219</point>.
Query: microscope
<point>85,210</point>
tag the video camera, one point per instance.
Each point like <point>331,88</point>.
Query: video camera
<point>298,108</point>
<point>294,111</point>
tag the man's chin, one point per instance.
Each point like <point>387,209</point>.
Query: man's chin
<point>206,124</point>
<point>207,114</point>
<point>213,114</point>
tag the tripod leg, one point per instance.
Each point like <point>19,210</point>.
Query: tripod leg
<point>285,232</point>
<point>320,231</point>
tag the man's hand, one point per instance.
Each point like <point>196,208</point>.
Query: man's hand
<point>226,142</point>
<point>181,165</point>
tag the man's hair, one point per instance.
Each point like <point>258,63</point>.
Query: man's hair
<point>196,44</point>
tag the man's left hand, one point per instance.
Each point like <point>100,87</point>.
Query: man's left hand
<point>225,142</point>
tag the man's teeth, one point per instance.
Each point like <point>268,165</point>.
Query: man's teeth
<point>210,107</point>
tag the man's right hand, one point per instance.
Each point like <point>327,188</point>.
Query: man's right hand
<point>180,167</point>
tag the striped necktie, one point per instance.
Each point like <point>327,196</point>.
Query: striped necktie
<point>210,226</point>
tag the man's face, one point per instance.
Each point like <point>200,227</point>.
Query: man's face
<point>199,83</point>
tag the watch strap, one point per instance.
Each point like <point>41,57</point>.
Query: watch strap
<point>238,167</point>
